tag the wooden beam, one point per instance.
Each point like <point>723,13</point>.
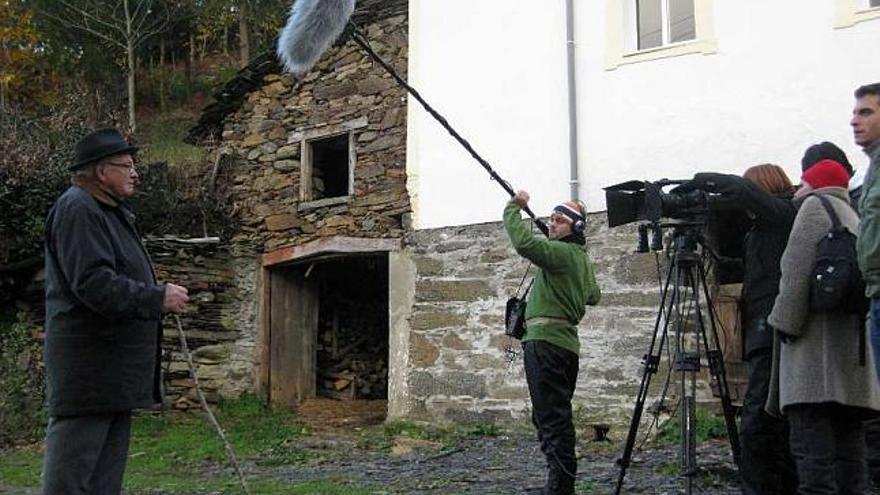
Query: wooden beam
<point>329,245</point>
<point>264,333</point>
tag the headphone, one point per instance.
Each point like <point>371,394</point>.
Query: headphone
<point>579,226</point>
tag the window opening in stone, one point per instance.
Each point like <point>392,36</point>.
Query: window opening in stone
<point>330,167</point>
<point>352,334</point>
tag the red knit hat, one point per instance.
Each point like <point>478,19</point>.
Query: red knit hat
<point>826,173</point>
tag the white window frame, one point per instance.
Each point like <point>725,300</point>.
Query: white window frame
<point>852,12</point>
<point>622,34</point>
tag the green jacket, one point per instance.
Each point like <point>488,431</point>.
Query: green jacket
<point>564,286</point>
<point>868,244</point>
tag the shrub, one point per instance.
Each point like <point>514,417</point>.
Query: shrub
<point>22,378</point>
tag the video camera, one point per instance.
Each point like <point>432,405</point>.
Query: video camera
<point>716,220</point>
<point>635,200</point>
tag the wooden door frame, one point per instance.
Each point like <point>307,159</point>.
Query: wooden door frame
<point>318,249</point>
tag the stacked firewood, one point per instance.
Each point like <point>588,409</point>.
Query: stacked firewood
<point>352,364</point>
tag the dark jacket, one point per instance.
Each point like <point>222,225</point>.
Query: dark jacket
<point>103,308</point>
<point>772,217</point>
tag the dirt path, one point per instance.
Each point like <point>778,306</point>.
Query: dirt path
<point>509,463</point>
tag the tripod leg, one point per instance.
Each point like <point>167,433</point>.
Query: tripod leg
<point>688,411</point>
<point>687,364</point>
<point>651,362</point>
<point>717,370</point>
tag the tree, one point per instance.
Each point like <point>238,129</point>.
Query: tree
<point>244,37</point>
<point>23,72</point>
<point>122,25</point>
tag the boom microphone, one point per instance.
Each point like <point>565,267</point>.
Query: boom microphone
<point>312,27</point>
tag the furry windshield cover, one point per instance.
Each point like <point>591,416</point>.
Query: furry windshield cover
<point>312,27</point>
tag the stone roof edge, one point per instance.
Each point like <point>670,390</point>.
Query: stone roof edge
<point>251,77</point>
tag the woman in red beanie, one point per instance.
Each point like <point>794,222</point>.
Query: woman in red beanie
<point>818,383</point>
<point>825,173</point>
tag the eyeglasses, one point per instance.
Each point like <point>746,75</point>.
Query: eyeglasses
<point>128,166</point>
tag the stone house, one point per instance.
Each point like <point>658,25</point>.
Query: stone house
<point>341,296</point>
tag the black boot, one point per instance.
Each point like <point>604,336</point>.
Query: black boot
<point>560,482</point>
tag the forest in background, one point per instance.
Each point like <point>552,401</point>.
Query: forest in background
<point>146,67</point>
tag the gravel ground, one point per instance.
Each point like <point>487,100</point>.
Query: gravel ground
<point>513,464</point>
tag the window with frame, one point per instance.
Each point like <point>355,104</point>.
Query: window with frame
<point>327,167</point>
<point>664,22</point>
<point>851,12</point>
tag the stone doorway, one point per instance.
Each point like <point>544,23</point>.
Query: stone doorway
<point>326,326</point>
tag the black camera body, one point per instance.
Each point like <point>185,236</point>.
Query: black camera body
<point>721,222</point>
<point>635,200</point>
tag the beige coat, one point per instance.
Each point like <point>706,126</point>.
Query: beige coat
<point>822,363</point>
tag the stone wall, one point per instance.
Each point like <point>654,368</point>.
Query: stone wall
<point>345,92</point>
<point>458,365</point>
<point>215,323</point>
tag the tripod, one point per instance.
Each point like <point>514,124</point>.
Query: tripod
<point>686,277</point>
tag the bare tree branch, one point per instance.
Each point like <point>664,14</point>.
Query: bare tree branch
<point>73,25</point>
<point>125,25</point>
<point>87,15</point>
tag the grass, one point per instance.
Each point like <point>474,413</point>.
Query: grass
<point>160,136</point>
<point>382,437</point>
<point>585,487</point>
<point>709,425</point>
<point>20,467</point>
<point>181,453</point>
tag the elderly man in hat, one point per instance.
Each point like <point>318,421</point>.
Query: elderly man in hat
<point>103,314</point>
<point>564,286</point>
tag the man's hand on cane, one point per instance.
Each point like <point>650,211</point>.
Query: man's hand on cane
<point>175,299</point>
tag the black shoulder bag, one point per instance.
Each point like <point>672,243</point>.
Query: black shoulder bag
<point>837,284</point>
<point>515,314</point>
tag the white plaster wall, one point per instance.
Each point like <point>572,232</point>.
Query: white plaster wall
<point>782,78</point>
<point>496,70</point>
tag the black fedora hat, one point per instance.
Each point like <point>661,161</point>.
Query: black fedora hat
<point>100,144</point>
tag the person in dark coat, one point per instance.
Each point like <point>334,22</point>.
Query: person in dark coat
<point>818,381</point>
<point>765,193</point>
<point>103,314</point>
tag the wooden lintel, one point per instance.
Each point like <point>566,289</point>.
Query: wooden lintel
<point>338,244</point>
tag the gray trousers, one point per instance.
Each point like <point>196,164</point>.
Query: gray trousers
<point>86,455</point>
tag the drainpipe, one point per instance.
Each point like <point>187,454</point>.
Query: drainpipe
<point>572,100</point>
